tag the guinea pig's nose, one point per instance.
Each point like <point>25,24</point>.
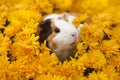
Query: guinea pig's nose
<point>74,35</point>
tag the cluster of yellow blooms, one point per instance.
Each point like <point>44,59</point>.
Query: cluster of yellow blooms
<point>98,51</point>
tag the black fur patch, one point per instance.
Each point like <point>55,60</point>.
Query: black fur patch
<point>46,30</point>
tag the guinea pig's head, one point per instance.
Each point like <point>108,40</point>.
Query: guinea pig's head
<point>59,34</point>
<point>64,16</point>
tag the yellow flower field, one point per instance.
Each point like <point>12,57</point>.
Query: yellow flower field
<point>98,51</point>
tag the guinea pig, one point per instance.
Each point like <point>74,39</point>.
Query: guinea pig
<point>60,34</point>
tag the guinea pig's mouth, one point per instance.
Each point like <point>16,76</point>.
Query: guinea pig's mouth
<point>73,43</point>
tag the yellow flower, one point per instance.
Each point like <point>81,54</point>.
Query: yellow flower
<point>22,57</point>
<point>5,42</point>
<point>43,6</point>
<point>110,69</point>
<point>90,7</point>
<point>98,76</point>
<point>110,48</point>
<point>61,5</point>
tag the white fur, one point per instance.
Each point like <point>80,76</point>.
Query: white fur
<point>52,16</point>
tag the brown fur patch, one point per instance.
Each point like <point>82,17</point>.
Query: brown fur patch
<point>50,39</point>
<point>53,45</point>
<point>53,26</point>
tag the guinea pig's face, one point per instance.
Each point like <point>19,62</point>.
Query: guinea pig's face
<point>64,36</point>
<point>59,34</point>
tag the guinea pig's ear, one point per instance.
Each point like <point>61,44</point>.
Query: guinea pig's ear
<point>45,29</point>
<point>64,16</point>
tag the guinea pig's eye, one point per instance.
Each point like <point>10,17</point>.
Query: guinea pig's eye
<point>57,30</point>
